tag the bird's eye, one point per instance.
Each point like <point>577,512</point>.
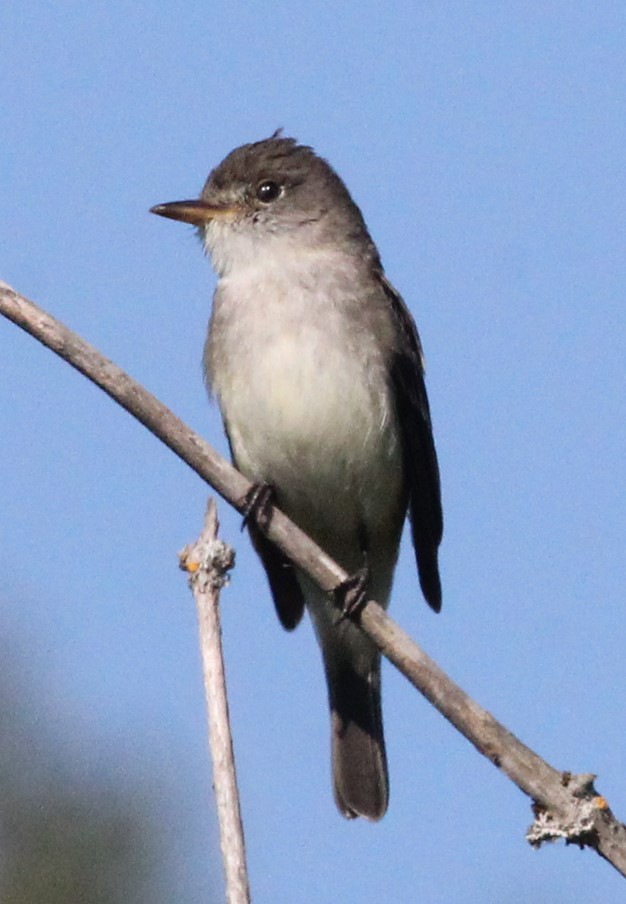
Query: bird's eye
<point>267,191</point>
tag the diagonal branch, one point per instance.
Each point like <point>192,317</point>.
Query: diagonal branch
<point>566,806</point>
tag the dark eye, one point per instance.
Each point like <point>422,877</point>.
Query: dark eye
<point>267,191</point>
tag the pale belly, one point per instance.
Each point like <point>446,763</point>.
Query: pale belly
<point>320,428</point>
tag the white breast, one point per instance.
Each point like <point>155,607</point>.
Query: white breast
<point>302,383</point>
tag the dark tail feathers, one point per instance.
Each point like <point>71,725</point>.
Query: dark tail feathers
<point>360,777</point>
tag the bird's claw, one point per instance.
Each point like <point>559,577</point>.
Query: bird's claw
<point>257,506</point>
<point>351,594</point>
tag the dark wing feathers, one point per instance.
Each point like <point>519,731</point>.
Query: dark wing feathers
<point>281,576</point>
<point>420,457</point>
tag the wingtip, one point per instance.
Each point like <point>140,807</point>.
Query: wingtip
<point>430,581</point>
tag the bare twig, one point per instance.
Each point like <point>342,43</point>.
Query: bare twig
<point>566,806</point>
<point>207,561</point>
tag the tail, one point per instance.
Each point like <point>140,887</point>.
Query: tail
<point>359,761</point>
<point>352,666</point>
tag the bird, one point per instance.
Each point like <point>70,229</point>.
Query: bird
<point>317,367</point>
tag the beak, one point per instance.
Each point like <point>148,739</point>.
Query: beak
<point>196,212</point>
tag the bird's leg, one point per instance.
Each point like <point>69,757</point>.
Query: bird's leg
<point>351,594</point>
<point>257,505</point>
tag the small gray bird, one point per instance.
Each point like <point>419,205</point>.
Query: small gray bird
<point>316,364</point>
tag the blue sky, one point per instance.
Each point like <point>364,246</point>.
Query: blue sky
<point>485,145</point>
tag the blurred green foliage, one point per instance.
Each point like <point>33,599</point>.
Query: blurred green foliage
<point>65,839</point>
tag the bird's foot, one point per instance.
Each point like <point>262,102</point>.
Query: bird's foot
<point>351,594</point>
<point>257,505</point>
